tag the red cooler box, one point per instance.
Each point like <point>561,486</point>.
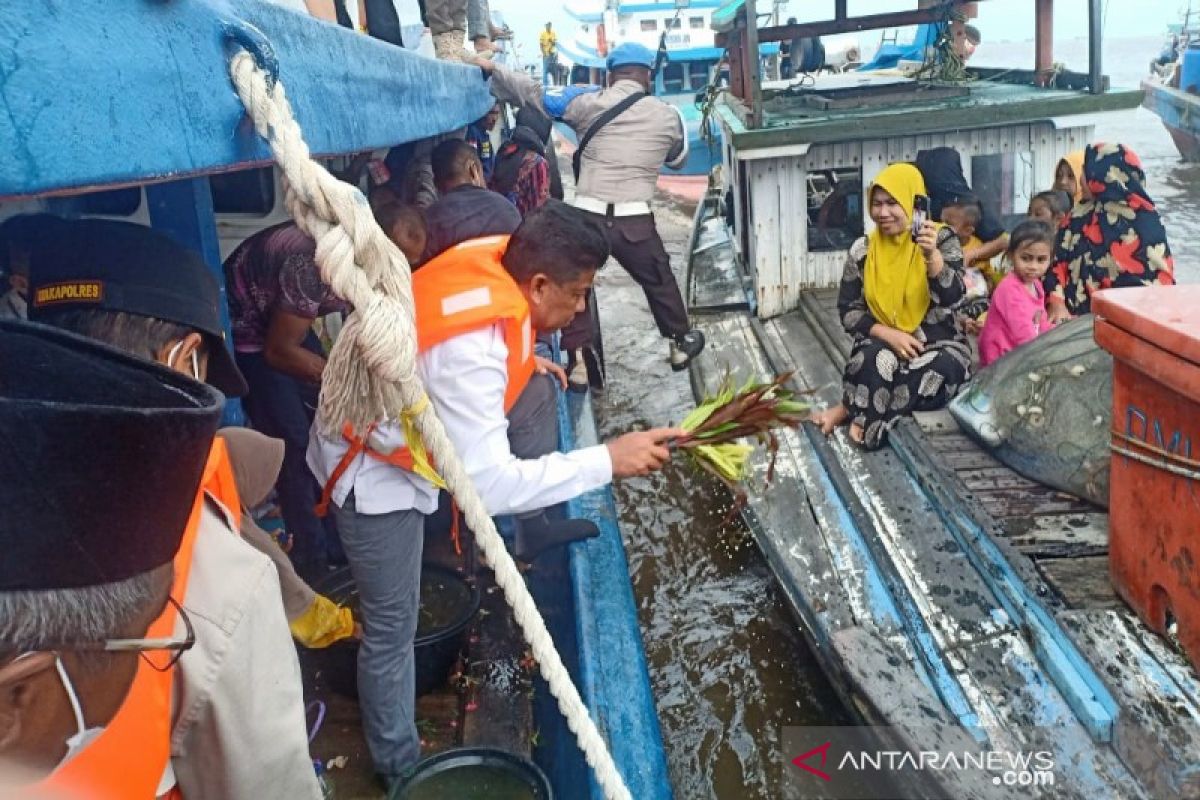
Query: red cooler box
<point>1153,334</point>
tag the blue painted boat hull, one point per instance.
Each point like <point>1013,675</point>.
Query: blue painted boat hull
<point>1180,115</point>
<point>103,93</point>
<point>585,595</point>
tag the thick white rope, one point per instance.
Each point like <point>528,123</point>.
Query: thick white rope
<point>371,374</point>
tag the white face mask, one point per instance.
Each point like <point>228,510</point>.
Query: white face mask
<point>83,736</point>
<point>195,361</point>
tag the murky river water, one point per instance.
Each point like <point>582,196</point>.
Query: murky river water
<point>729,666</point>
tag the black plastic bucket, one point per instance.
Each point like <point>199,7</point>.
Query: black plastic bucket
<point>475,773</point>
<point>448,604</point>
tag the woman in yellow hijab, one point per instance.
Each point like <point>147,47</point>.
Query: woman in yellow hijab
<point>1068,175</point>
<point>896,299</point>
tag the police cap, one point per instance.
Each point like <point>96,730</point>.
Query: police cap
<point>631,53</point>
<point>120,266</point>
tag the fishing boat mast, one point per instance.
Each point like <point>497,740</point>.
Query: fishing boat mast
<point>742,39</point>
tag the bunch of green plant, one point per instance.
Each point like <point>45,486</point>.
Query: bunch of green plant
<point>718,427</point>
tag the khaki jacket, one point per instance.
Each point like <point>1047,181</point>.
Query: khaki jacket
<point>621,162</point>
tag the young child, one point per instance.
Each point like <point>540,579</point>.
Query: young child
<point>1018,308</point>
<point>1051,207</point>
<point>963,217</point>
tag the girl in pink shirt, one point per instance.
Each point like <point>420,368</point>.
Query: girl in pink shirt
<point>1018,306</point>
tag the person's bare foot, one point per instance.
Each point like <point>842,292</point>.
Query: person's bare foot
<point>856,433</point>
<point>830,418</point>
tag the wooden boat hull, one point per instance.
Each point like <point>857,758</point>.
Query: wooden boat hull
<point>940,588</point>
<point>1180,115</point>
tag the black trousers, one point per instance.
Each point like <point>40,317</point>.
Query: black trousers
<point>880,389</point>
<point>638,248</point>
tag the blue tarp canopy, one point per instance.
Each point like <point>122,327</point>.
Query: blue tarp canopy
<point>105,93</point>
<point>889,55</point>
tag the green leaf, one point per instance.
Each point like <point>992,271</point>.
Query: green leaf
<point>702,412</point>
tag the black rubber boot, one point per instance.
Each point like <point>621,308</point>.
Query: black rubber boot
<point>537,534</point>
<point>684,348</point>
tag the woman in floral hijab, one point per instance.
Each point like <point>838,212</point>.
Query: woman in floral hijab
<point>1113,237</point>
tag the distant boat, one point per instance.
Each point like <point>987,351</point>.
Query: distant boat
<point>1171,91</point>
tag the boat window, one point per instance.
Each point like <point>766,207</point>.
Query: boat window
<point>649,24</point>
<point>695,22</point>
<point>112,203</point>
<point>674,23</point>
<point>673,78</point>
<point>835,208</point>
<point>249,191</point>
<point>1005,181</point>
<point>698,72</point>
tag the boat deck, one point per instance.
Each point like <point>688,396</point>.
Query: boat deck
<point>946,594</point>
<point>890,105</point>
<point>487,702</point>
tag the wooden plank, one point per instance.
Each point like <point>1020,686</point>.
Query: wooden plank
<point>944,585</point>
<point>954,442</point>
<point>1059,535</point>
<point>1037,718</point>
<point>1158,731</point>
<point>1080,582</point>
<point>992,479</point>
<point>791,518</point>
<point>934,422</point>
<point>1009,503</point>
<point>964,459</point>
<point>868,22</point>
<point>890,692</point>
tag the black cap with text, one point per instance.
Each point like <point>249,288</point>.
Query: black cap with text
<point>120,266</point>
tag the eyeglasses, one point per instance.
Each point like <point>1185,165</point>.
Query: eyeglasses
<point>160,654</point>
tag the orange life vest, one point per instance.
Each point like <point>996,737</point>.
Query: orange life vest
<point>467,288</point>
<point>128,760</point>
<point>461,290</point>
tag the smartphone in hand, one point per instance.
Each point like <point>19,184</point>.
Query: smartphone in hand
<point>920,214</point>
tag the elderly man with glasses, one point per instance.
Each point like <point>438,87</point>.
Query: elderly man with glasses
<point>98,501</point>
<point>236,726</point>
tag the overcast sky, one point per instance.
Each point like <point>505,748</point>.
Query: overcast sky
<point>998,19</point>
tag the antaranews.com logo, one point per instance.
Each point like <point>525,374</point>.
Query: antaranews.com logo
<point>866,763</point>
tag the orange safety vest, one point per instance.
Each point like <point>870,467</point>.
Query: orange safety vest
<point>461,290</point>
<point>128,760</point>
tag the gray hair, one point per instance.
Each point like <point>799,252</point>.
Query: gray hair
<point>43,619</point>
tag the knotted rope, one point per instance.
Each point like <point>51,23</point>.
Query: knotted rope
<point>371,374</point>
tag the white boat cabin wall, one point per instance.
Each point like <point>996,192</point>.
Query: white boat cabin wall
<point>799,206</point>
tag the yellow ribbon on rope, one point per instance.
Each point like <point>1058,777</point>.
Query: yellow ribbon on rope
<point>422,464</point>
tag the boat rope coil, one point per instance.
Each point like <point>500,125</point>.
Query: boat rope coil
<point>371,373</point>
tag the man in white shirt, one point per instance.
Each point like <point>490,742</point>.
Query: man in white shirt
<point>479,305</point>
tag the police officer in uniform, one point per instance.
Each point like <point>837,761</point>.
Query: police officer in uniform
<point>626,135</point>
